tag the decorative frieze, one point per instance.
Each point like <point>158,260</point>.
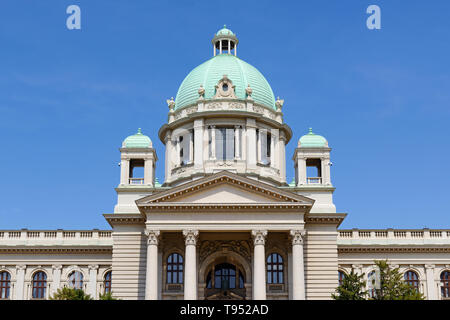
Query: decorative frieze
<point>241,247</point>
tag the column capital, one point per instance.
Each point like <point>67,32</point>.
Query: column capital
<point>93,267</point>
<point>57,267</point>
<point>430,266</point>
<point>297,236</point>
<point>153,237</point>
<point>21,267</point>
<point>190,236</point>
<point>259,237</point>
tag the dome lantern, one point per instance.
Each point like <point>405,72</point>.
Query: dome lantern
<point>224,41</point>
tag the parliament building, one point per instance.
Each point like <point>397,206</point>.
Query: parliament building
<point>225,223</point>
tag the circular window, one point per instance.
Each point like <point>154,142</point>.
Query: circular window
<point>225,87</point>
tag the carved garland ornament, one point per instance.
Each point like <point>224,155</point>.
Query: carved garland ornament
<point>241,247</point>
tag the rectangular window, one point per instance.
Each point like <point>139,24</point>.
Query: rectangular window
<point>224,143</point>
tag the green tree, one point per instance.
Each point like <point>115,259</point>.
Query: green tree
<point>107,296</point>
<point>351,288</point>
<point>392,285</point>
<point>70,294</point>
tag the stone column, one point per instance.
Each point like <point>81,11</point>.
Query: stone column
<point>20,282</point>
<point>92,286</point>
<point>191,146</point>
<point>237,142</point>
<point>298,268</point>
<point>56,278</point>
<point>251,143</point>
<point>148,172</point>
<point>301,170</point>
<point>151,277</point>
<point>259,264</point>
<point>431,287</point>
<point>198,143</point>
<point>282,153</point>
<point>169,156</point>
<point>213,142</point>
<point>124,171</point>
<point>190,265</point>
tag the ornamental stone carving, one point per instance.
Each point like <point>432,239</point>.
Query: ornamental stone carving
<point>171,104</point>
<point>153,237</point>
<point>201,92</point>
<point>213,106</point>
<point>57,267</point>
<point>225,88</point>
<point>297,236</point>
<point>241,247</point>
<point>259,237</point>
<point>190,237</point>
<point>236,106</point>
<point>191,110</point>
<point>249,92</point>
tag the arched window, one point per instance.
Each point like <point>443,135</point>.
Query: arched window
<point>371,284</point>
<point>39,285</point>
<point>174,269</point>
<point>445,282</point>
<point>225,276</point>
<point>107,282</point>
<point>76,280</point>
<point>412,279</point>
<point>275,269</point>
<point>341,275</point>
<point>5,284</point>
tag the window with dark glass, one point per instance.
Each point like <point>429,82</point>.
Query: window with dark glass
<point>175,269</point>
<point>371,284</point>
<point>412,279</point>
<point>445,284</point>
<point>5,285</point>
<point>275,269</point>
<point>224,143</point>
<point>341,277</point>
<point>225,276</point>
<point>76,280</point>
<point>39,285</point>
<point>107,282</point>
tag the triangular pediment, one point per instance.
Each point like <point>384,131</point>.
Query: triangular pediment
<point>225,188</point>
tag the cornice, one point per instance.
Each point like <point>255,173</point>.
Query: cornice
<point>325,218</point>
<point>137,188</point>
<point>124,219</point>
<point>189,207</point>
<point>56,250</point>
<point>309,188</point>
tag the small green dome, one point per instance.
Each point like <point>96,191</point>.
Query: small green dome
<point>312,140</point>
<point>137,140</point>
<point>225,32</point>
<point>238,71</point>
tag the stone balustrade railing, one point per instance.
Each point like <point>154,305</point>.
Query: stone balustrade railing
<point>394,234</point>
<point>24,234</point>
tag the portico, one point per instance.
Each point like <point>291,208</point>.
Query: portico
<point>207,219</point>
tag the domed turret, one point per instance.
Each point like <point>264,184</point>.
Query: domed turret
<point>225,41</point>
<point>137,140</point>
<point>312,140</point>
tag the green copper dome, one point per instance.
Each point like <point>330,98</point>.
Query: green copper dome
<point>238,71</point>
<point>312,140</point>
<point>137,140</point>
<point>225,32</point>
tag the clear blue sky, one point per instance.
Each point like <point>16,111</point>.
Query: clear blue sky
<point>69,98</point>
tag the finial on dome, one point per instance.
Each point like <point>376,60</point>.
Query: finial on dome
<point>310,131</point>
<point>139,131</point>
<point>171,104</point>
